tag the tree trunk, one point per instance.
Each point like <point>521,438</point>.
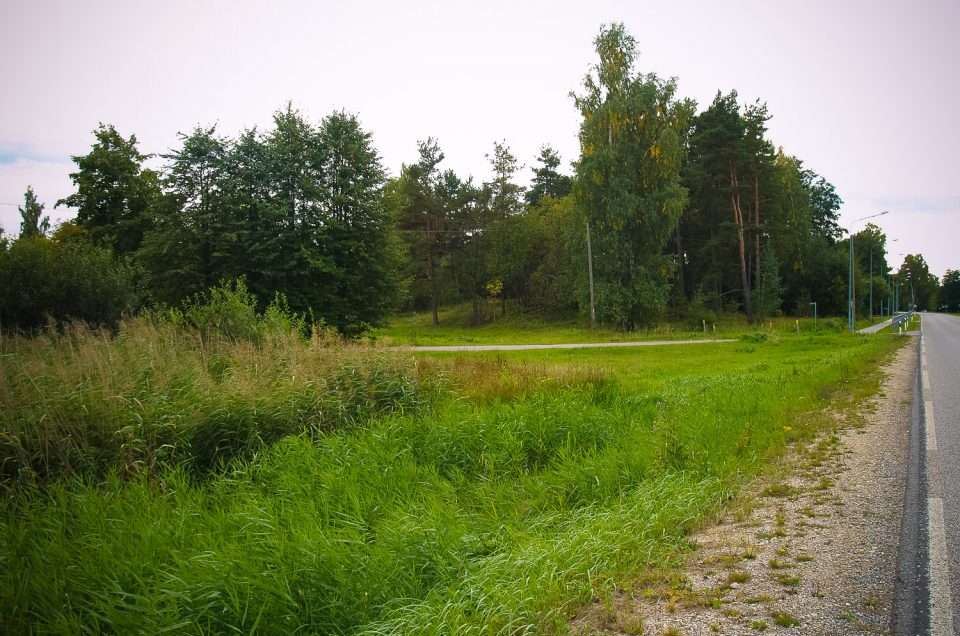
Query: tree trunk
<point>432,267</point>
<point>741,244</point>
<point>756,222</point>
<point>680,281</point>
<point>434,289</point>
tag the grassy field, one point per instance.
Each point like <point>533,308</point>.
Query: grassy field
<point>455,328</point>
<point>159,481</point>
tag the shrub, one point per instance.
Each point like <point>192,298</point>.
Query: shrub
<point>43,280</point>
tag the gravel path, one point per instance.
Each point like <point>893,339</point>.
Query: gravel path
<point>812,550</point>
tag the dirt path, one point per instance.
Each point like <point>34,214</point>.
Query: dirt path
<point>812,551</point>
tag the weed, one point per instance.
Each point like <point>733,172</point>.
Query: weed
<point>739,576</point>
<point>784,619</point>
<point>759,625</point>
<point>759,598</point>
<point>788,581</point>
<point>780,490</point>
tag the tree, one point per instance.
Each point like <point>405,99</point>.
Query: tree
<point>917,284</point>
<point>298,211</point>
<point>950,291</point>
<point>187,250</point>
<point>769,289</point>
<point>547,182</point>
<point>509,255</point>
<point>632,141</point>
<point>32,224</point>
<point>424,218</point>
<point>719,160</point>
<point>505,194</point>
<point>354,225</point>
<point>558,239</point>
<point>114,192</point>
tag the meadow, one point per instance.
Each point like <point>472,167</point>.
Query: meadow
<point>168,478</point>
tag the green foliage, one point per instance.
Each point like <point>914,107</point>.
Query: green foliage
<point>298,211</point>
<point>63,280</point>
<point>547,181</point>
<point>162,395</point>
<point>467,517</point>
<point>32,225</point>
<point>633,142</point>
<point>917,284</point>
<point>227,310</point>
<point>769,288</point>
<point>950,291</point>
<point>114,192</point>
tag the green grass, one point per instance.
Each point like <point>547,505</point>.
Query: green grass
<point>517,327</point>
<point>481,493</point>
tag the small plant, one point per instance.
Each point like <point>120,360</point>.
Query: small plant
<point>780,490</point>
<point>777,564</point>
<point>783,619</point>
<point>738,576</point>
<point>804,558</point>
<point>759,598</point>
<point>788,581</point>
<point>759,625</point>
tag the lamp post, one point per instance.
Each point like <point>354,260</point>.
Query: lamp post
<point>851,320</point>
<point>889,276</point>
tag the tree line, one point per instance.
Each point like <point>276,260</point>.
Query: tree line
<point>684,214</point>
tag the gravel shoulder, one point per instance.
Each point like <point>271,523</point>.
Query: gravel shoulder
<point>810,549</point>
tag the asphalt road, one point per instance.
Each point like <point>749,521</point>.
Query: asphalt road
<point>940,408</point>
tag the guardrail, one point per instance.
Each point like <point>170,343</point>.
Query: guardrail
<point>900,319</point>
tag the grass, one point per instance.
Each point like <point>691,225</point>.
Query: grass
<point>350,491</point>
<point>456,328</point>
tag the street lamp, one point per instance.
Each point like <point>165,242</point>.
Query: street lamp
<point>850,301</point>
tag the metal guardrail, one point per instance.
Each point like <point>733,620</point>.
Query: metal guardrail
<point>900,319</point>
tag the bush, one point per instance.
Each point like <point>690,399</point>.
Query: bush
<point>43,280</point>
<point>229,311</point>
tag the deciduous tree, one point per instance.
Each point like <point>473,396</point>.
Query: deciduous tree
<point>114,191</point>
<point>632,141</point>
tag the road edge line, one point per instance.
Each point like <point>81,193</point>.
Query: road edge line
<point>941,610</point>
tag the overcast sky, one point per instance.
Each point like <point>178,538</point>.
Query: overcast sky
<point>864,92</point>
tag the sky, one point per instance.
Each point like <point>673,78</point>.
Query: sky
<point>864,92</point>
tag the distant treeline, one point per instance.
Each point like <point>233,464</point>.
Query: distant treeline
<point>685,214</point>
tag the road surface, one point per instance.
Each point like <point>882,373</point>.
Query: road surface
<point>935,495</point>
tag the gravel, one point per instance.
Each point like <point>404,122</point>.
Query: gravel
<point>811,549</point>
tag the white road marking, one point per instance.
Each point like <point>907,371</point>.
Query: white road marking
<point>926,381</point>
<point>941,612</point>
<point>931,429</point>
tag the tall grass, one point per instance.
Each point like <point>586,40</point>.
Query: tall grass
<point>497,510</point>
<point>83,402</point>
